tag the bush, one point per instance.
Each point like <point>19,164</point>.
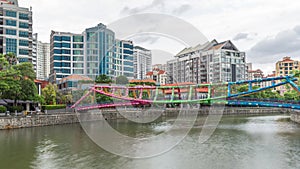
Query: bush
<point>15,108</point>
<point>53,107</point>
<point>3,109</point>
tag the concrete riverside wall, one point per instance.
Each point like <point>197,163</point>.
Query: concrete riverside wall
<point>295,116</point>
<point>36,121</point>
<point>107,114</point>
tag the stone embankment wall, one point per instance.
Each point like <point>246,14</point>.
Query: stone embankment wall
<point>107,114</point>
<point>295,116</point>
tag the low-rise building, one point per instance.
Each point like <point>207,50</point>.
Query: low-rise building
<point>74,82</point>
<point>159,76</point>
<point>286,66</point>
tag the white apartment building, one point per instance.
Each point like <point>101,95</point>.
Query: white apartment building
<point>142,62</point>
<point>210,62</point>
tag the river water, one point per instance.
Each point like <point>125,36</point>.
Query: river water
<point>263,142</point>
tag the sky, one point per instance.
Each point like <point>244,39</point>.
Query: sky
<point>267,30</point>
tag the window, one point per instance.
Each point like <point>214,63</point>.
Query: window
<point>11,13</point>
<point>58,45</point>
<point>128,57</point>
<point>11,32</point>
<point>57,64</point>
<point>23,43</point>
<point>65,64</point>
<point>62,45</point>
<point>21,60</point>
<point>11,45</point>
<point>65,38</point>
<point>77,58</point>
<point>11,22</point>
<point>65,45</point>
<point>23,16</point>
<point>77,52</point>
<point>23,34</point>
<point>68,58</point>
<point>57,57</point>
<point>57,51</point>
<point>128,46</point>
<point>77,45</point>
<point>128,69</point>
<point>77,71</point>
<point>130,52</point>
<point>64,51</point>
<point>77,38</point>
<point>23,25</point>
<point>128,63</point>
<point>78,65</point>
<point>68,71</point>
<point>23,52</point>
<point>57,38</point>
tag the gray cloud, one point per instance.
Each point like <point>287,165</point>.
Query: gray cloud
<point>271,49</point>
<point>241,36</point>
<point>146,39</point>
<point>154,4</point>
<point>181,9</point>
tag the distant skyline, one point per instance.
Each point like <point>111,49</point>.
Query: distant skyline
<point>266,30</point>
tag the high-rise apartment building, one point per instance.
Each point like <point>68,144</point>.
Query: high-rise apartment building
<point>66,55</point>
<point>34,51</point>
<point>16,30</point>
<point>43,60</point>
<point>99,51</point>
<point>211,62</point>
<point>123,59</point>
<point>92,53</point>
<point>142,62</point>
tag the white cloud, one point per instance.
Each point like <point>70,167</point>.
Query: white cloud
<point>217,19</point>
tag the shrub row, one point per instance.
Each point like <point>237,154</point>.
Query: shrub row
<point>53,107</point>
<point>15,108</point>
<point>3,109</point>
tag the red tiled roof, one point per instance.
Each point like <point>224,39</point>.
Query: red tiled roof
<point>142,81</point>
<point>161,72</point>
<point>149,74</point>
<point>179,84</point>
<point>76,77</point>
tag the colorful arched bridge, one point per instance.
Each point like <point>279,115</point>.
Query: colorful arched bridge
<point>190,94</point>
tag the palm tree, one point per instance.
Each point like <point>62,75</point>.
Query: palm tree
<point>11,58</point>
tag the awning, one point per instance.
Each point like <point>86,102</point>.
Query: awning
<point>2,102</point>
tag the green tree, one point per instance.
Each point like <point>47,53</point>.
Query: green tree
<point>26,70</point>
<point>291,95</point>
<point>100,98</point>
<point>49,94</point>
<point>122,80</point>
<point>103,79</point>
<point>3,62</point>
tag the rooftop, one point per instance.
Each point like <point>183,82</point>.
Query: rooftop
<point>75,77</point>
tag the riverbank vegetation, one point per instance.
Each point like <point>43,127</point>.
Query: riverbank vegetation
<point>17,80</point>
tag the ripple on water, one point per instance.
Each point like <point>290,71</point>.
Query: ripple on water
<point>45,155</point>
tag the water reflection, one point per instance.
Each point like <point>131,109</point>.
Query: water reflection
<point>239,142</point>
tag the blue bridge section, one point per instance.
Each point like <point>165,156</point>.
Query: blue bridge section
<point>263,104</point>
